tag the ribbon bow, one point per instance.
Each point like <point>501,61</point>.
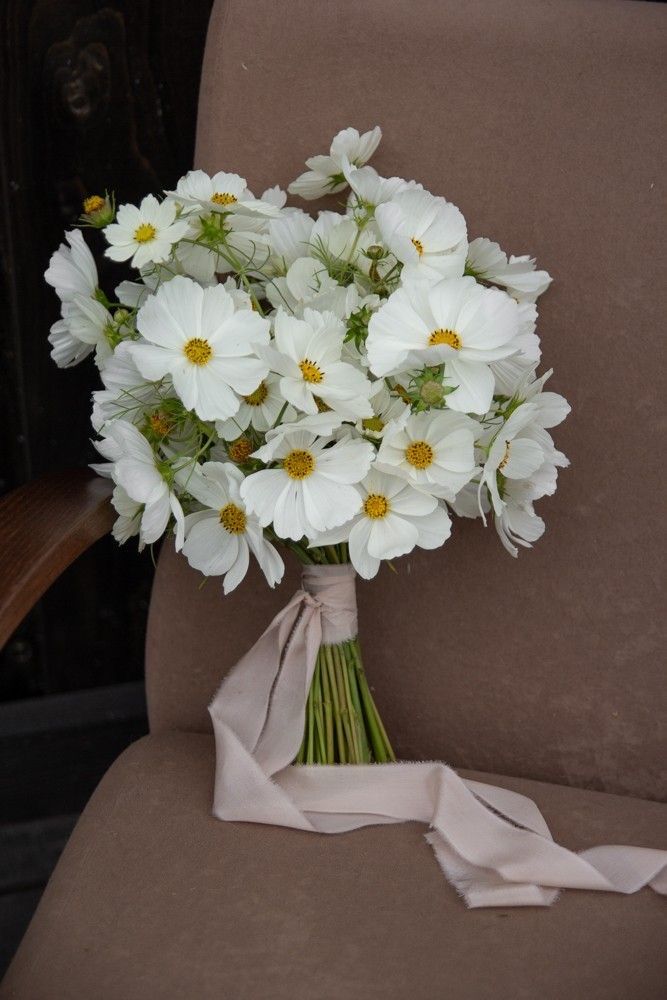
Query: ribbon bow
<point>493,845</point>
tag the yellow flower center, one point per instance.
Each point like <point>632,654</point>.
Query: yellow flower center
<point>198,351</point>
<point>310,371</point>
<point>257,397</point>
<point>233,519</point>
<point>376,506</point>
<point>93,204</point>
<point>418,245</point>
<point>239,450</point>
<point>419,454</point>
<point>145,233</point>
<point>223,198</point>
<point>373,424</point>
<point>299,464</point>
<point>445,337</point>
<point>160,423</point>
<point>506,457</point>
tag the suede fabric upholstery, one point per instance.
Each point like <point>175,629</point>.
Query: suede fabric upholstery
<point>543,122</point>
<point>541,119</point>
<point>154,898</point>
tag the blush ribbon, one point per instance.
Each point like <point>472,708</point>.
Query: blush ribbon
<point>492,844</point>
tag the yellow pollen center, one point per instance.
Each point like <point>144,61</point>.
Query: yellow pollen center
<point>376,506</point>
<point>310,371</point>
<point>418,245</point>
<point>506,457</point>
<point>239,450</point>
<point>159,423</point>
<point>233,519</point>
<point>198,351</point>
<point>419,454</point>
<point>299,464</point>
<point>257,397</point>
<point>93,204</point>
<point>223,198</point>
<point>145,233</point>
<point>445,337</point>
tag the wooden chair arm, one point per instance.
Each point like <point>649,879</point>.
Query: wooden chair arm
<point>44,526</point>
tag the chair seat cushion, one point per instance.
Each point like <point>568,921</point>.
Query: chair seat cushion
<point>154,898</point>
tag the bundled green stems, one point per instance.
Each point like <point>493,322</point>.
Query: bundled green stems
<point>342,723</point>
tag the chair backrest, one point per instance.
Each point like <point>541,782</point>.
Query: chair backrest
<point>543,122</point>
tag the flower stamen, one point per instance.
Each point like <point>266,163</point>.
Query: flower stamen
<point>311,372</point>
<point>257,397</point>
<point>419,454</point>
<point>376,506</point>
<point>418,245</point>
<point>450,337</point>
<point>239,450</point>
<point>198,351</point>
<point>506,457</point>
<point>223,198</point>
<point>145,233</point>
<point>233,519</point>
<point>299,464</point>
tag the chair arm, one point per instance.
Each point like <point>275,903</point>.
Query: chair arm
<point>44,526</point>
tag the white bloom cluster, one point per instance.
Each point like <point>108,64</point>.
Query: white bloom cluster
<point>339,384</point>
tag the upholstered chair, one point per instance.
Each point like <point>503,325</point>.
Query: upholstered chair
<point>542,121</point>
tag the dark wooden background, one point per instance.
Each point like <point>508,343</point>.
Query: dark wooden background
<point>93,95</point>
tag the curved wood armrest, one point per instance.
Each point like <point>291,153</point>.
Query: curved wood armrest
<point>44,526</point>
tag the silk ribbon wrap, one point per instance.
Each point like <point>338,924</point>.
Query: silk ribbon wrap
<point>493,845</point>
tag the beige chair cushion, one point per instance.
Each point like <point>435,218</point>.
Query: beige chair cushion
<point>153,898</point>
<point>544,122</point>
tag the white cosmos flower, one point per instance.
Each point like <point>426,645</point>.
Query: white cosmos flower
<point>289,237</point>
<point>522,449</point>
<point>517,275</point>
<point>369,189</point>
<point>313,489</point>
<point>84,320</point>
<point>390,413</point>
<point>128,522</point>
<point>66,350</point>
<point>127,395</point>
<point>308,285</point>
<point>72,269</point>
<point>307,355</point>
<point>137,471</point>
<point>259,409</point>
<point>219,538</point>
<point>393,519</point>
<point>222,192</point>
<point>517,523</point>
<point>207,345</point>
<point>511,371</point>
<point>455,321</point>
<point>325,173</point>
<point>324,425</point>
<point>146,234</point>
<point>434,451</point>
<point>426,233</point>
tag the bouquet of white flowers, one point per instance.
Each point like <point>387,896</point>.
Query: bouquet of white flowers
<point>337,386</point>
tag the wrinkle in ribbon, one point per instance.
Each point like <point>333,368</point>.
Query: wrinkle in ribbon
<point>492,844</point>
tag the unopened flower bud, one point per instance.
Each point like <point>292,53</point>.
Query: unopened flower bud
<point>98,211</point>
<point>375,252</point>
<point>432,392</point>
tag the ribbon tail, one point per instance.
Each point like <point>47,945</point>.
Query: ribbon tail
<point>258,717</point>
